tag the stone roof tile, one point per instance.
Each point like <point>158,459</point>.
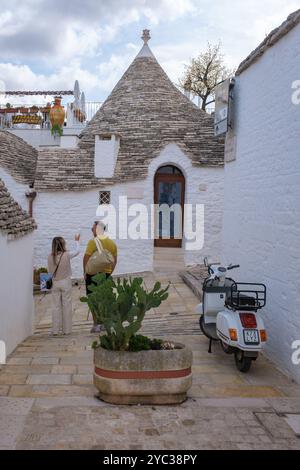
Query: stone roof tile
<point>14,221</point>
<point>18,157</point>
<point>292,20</point>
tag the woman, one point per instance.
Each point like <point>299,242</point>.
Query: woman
<point>59,266</point>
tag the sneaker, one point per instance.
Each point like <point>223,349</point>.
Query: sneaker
<point>96,329</point>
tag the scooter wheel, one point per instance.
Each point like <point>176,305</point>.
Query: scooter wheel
<point>243,363</point>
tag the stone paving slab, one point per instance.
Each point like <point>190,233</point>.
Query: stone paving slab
<point>37,391</point>
<point>109,427</point>
<point>294,422</point>
<point>12,379</point>
<point>47,397</point>
<point>4,389</point>
<point>275,425</point>
<point>47,403</point>
<point>45,360</point>
<point>284,405</point>
<point>14,406</point>
<point>49,379</point>
<point>11,426</point>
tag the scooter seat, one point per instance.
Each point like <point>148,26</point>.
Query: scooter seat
<point>243,301</point>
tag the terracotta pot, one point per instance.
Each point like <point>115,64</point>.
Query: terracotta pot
<point>146,377</point>
<point>57,113</point>
<point>36,277</point>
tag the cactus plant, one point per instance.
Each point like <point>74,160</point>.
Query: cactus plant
<point>120,306</point>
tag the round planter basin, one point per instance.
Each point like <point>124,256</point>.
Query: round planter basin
<point>147,377</point>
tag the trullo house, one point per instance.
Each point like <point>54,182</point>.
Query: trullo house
<point>148,142</point>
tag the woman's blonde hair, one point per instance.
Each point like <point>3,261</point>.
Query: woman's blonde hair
<point>58,246</point>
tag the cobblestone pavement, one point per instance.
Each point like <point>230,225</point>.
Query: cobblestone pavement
<point>47,399</point>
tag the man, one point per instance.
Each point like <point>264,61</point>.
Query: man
<point>98,230</point>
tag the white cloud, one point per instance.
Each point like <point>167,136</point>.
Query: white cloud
<point>69,37</point>
<point>169,10</point>
<point>21,77</point>
<point>60,30</point>
<point>111,71</point>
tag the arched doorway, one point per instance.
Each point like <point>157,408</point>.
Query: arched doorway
<point>169,187</point>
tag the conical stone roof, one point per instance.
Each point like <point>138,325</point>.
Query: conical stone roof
<point>149,112</point>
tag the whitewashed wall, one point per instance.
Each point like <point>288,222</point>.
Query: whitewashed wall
<point>37,137</point>
<point>43,138</point>
<point>17,190</point>
<point>65,213</point>
<point>106,152</point>
<point>16,305</point>
<point>262,192</point>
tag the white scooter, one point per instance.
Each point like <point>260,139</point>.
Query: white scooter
<point>229,314</point>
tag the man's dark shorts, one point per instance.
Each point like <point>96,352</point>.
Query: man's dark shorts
<point>89,281</point>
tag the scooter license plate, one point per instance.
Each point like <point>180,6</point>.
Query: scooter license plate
<point>251,337</point>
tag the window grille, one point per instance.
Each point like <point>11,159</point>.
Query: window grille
<point>104,197</point>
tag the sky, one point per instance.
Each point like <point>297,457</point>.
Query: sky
<point>47,44</point>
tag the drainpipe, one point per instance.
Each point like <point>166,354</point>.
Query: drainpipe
<point>31,195</point>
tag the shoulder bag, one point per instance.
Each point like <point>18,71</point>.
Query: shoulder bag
<point>49,282</point>
<point>100,261</point>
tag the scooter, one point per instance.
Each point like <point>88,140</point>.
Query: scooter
<point>229,314</point>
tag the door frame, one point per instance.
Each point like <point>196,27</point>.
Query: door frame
<point>170,178</point>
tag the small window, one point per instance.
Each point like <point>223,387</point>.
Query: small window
<point>104,197</point>
<point>105,137</point>
<point>169,170</point>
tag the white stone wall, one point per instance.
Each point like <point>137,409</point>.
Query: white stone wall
<point>106,152</point>
<point>68,141</point>
<point>17,190</point>
<point>36,137</point>
<point>65,213</point>
<point>262,192</point>
<point>16,306</point>
<point>43,138</point>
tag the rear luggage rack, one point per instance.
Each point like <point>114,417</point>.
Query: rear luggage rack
<point>246,296</point>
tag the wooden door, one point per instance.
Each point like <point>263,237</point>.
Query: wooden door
<point>169,187</point>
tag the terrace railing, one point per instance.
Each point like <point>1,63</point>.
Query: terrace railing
<point>25,116</point>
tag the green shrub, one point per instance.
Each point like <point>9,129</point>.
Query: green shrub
<point>139,343</point>
<point>42,270</point>
<point>56,129</point>
<point>120,306</point>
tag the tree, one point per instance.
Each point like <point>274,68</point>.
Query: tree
<point>204,73</point>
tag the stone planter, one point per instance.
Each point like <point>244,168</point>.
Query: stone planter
<point>145,377</point>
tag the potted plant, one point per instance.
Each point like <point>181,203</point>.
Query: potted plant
<point>36,274</point>
<point>131,368</point>
<point>57,117</point>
